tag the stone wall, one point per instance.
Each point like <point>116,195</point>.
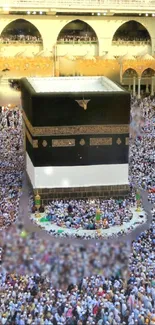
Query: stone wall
<point>106,192</point>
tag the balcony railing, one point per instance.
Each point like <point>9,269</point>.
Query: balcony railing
<point>132,43</point>
<point>80,4</point>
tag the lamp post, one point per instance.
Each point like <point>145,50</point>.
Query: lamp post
<point>98,215</point>
<point>37,201</point>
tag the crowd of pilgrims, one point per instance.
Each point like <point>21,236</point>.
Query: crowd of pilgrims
<point>84,214</point>
<point>61,263</point>
<point>67,38</point>
<point>131,41</point>
<point>129,37</point>
<point>74,37</point>
<point>10,38</point>
<point>47,284</point>
<point>11,164</point>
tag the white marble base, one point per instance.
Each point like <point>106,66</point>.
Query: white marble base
<point>76,176</point>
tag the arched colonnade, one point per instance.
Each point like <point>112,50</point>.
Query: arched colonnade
<point>104,29</point>
<point>146,78</point>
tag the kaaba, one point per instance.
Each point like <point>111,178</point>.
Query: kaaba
<point>75,122</point>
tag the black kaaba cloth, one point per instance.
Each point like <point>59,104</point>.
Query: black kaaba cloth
<point>75,121</point>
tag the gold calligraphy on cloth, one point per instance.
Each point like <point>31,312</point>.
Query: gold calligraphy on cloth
<point>100,141</point>
<point>76,129</point>
<point>63,143</point>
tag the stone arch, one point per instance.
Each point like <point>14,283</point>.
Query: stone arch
<point>89,29</point>
<point>14,25</point>
<point>77,38</point>
<point>130,78</point>
<point>133,26</point>
<point>130,72</point>
<point>147,80</point>
<point>148,72</point>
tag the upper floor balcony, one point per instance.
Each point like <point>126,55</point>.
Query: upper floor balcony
<point>80,5</point>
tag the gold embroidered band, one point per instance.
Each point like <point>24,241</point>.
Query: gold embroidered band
<point>34,143</point>
<point>76,129</point>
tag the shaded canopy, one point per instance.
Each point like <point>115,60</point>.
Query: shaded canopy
<point>146,57</point>
<point>25,54</point>
<point>108,56</point>
<point>44,53</point>
<point>89,57</point>
<point>127,57</point>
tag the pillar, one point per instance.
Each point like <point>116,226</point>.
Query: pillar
<point>104,43</point>
<point>121,72</point>
<point>129,88</point>
<point>152,46</point>
<point>134,86</point>
<point>138,96</point>
<point>152,86</point>
<point>147,88</point>
<point>54,60</point>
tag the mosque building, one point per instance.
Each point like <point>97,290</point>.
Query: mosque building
<point>114,38</point>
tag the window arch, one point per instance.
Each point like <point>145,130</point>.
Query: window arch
<point>148,73</point>
<point>21,30</point>
<point>77,31</point>
<point>132,31</point>
<point>130,72</point>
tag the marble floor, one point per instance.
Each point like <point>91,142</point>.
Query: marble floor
<point>135,222</point>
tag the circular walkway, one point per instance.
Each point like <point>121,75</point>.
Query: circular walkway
<point>139,218</point>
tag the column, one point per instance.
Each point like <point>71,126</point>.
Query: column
<point>55,61</point>
<point>129,88</point>
<point>153,45</point>
<point>152,86</point>
<point>147,88</point>
<point>138,96</point>
<point>121,72</point>
<point>104,43</point>
<point>134,86</point>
